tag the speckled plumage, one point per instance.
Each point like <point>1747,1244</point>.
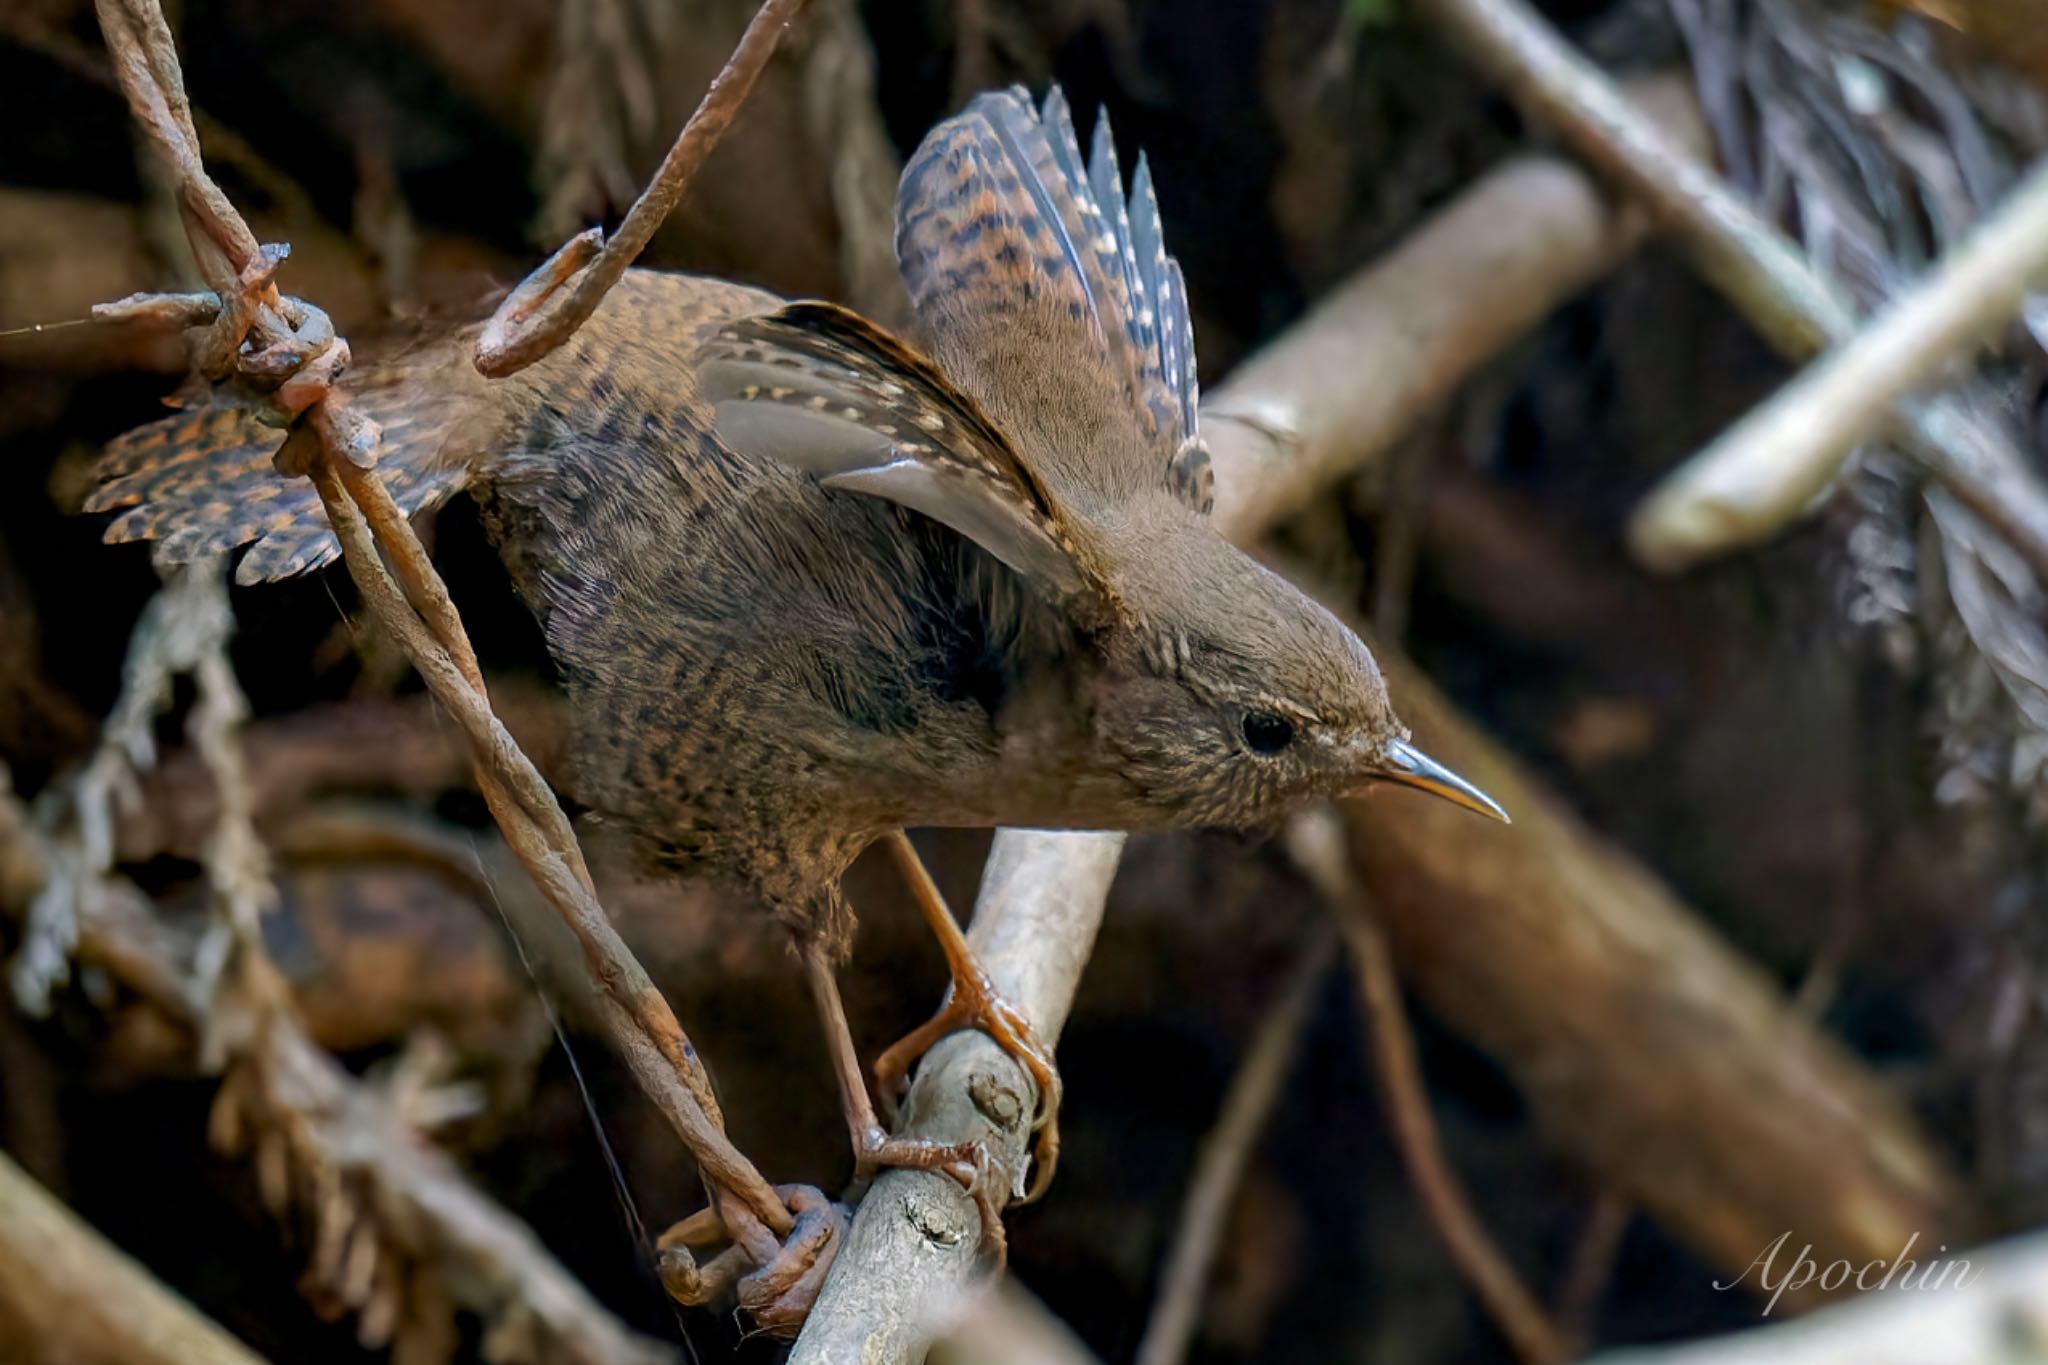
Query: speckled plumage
<point>806,585</point>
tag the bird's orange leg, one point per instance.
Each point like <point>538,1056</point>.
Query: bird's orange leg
<point>973,1002</point>
<point>874,1147</point>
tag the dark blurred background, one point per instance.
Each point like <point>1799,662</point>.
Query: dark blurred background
<point>1795,739</point>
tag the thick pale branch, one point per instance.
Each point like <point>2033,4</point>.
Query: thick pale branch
<point>1387,346</point>
<point>904,1274</point>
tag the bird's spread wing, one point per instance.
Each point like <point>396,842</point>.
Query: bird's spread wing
<point>1008,239</point>
<point>819,387</point>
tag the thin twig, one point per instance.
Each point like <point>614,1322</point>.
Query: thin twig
<point>562,293</point>
<point>1514,1310</point>
<point>1759,269</point>
<point>1763,472</point>
<point>1318,844</point>
<point>1590,1270</point>
<point>1220,1166</point>
<point>298,354</point>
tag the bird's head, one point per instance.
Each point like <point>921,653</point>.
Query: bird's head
<point>1231,697</point>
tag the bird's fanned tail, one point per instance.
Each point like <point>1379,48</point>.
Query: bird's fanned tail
<point>201,481</point>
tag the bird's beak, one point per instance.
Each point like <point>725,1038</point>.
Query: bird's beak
<point>1410,767</point>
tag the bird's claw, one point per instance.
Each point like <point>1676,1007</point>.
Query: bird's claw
<point>974,1002</point>
<point>788,1274</point>
<point>968,1163</point>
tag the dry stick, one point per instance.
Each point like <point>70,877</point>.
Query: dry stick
<point>1646,1047</point>
<point>1520,1318</point>
<point>637,1020</point>
<point>66,1293</point>
<point>1220,1165</point>
<point>539,315</point>
<point>1590,1268</point>
<point>1296,415</point>
<point>1291,419</point>
<point>1319,850</point>
<point>1765,470</point>
<point>1760,270</point>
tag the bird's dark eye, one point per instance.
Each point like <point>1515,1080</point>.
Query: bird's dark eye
<point>1267,733</point>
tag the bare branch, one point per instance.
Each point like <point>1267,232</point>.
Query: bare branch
<point>914,1247</point>
<point>1295,415</point>
<point>1678,1072</point>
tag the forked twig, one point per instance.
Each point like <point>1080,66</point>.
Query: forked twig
<point>562,293</point>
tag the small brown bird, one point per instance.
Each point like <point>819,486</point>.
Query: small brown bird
<point>809,586</point>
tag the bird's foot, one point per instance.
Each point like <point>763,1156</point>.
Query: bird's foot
<point>787,1275</point>
<point>969,1163</point>
<point>973,1002</point>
